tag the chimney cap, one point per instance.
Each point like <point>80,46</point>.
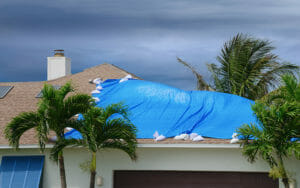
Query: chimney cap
<point>59,53</point>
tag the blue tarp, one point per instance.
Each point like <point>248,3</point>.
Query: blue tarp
<point>21,171</point>
<point>171,111</point>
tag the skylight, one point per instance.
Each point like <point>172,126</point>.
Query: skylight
<point>4,90</point>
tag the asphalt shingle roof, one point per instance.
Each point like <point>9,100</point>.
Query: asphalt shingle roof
<point>22,98</point>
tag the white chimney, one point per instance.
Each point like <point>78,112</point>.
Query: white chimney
<point>58,65</point>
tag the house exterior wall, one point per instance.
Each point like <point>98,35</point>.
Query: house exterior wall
<point>183,159</point>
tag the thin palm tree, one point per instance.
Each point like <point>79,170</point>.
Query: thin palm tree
<point>101,129</point>
<point>55,112</point>
<point>272,139</point>
<point>247,67</point>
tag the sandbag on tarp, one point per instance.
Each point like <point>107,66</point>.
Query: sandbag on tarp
<point>171,111</point>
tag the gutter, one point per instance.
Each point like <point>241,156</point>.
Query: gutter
<point>200,146</point>
<point>29,146</point>
<point>210,146</point>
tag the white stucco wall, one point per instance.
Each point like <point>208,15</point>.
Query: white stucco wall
<point>189,159</point>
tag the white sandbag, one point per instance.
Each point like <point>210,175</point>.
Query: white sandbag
<point>99,87</point>
<point>193,135</point>
<point>234,139</point>
<point>125,78</point>
<point>155,135</point>
<point>128,76</point>
<point>160,137</point>
<point>96,99</point>
<point>95,92</point>
<point>198,138</point>
<point>69,129</point>
<point>234,135</point>
<point>182,137</point>
<point>97,81</point>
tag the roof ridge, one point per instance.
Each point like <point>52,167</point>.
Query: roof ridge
<point>84,70</point>
<point>125,71</point>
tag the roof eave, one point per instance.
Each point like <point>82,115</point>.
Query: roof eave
<point>203,146</point>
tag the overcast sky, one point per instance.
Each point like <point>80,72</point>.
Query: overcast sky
<point>141,36</point>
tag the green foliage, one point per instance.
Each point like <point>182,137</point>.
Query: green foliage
<point>55,112</point>
<point>100,131</point>
<point>85,166</point>
<point>279,117</point>
<point>247,67</point>
<point>22,123</point>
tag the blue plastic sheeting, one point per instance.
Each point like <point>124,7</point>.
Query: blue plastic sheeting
<point>171,111</point>
<point>21,171</point>
<point>73,134</point>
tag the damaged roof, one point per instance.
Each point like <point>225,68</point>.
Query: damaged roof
<point>22,98</point>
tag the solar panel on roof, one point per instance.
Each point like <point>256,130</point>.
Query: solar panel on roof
<point>40,94</point>
<point>4,90</point>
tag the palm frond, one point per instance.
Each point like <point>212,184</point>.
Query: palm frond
<point>271,78</point>
<point>288,91</point>
<point>253,143</point>
<point>130,149</point>
<point>22,123</point>
<point>278,115</point>
<point>76,104</point>
<point>65,89</point>
<point>249,132</point>
<point>201,84</point>
<point>218,85</point>
<point>101,130</point>
<point>112,109</point>
<point>73,123</point>
<point>61,144</point>
<point>294,149</point>
<point>247,67</point>
<point>118,129</point>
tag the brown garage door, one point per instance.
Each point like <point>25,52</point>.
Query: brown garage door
<point>183,179</point>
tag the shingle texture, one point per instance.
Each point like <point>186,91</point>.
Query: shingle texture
<point>22,98</point>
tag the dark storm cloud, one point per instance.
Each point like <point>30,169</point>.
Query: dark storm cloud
<point>143,37</point>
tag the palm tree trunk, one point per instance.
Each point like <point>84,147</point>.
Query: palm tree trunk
<point>93,170</point>
<point>62,170</point>
<point>285,178</point>
<point>92,179</point>
<point>285,182</point>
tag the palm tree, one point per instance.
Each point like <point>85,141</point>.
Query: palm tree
<point>55,112</point>
<point>272,139</point>
<point>101,130</point>
<point>248,68</point>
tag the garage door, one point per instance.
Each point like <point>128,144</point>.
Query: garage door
<point>183,179</point>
